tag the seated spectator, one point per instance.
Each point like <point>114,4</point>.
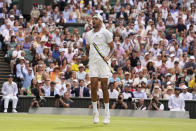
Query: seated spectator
<point>157,92</point>
<point>54,76</point>
<point>139,79</point>
<point>194,93</point>
<point>155,104</point>
<point>114,77</point>
<point>81,91</point>
<point>139,105</point>
<point>38,92</point>
<point>64,101</point>
<point>46,87</point>
<point>190,65</point>
<point>127,93</point>
<point>9,91</point>
<point>185,94</point>
<point>120,104</point>
<point>169,93</point>
<point>61,87</point>
<point>176,103</point>
<point>113,93</point>
<point>192,83</point>
<point>138,93</point>
<point>81,74</point>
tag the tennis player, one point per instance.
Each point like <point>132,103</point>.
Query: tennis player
<point>98,69</point>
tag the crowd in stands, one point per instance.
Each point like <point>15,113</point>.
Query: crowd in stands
<point>155,48</point>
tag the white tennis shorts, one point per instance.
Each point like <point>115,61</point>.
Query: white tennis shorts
<point>99,69</point>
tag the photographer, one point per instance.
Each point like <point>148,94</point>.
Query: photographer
<point>155,104</point>
<point>119,104</point>
<point>65,101</point>
<point>38,92</point>
<point>139,105</point>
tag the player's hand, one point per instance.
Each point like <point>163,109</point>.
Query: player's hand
<point>106,58</point>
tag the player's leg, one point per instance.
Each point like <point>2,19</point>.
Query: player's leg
<point>94,88</point>
<point>104,86</point>
<point>14,104</point>
<point>6,102</point>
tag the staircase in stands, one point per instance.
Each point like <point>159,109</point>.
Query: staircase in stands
<point>4,69</point>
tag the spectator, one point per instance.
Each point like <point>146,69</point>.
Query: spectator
<point>61,87</point>
<point>113,93</point>
<point>194,93</point>
<point>81,91</point>
<point>138,93</point>
<point>9,91</point>
<point>185,95</point>
<point>190,65</point>
<point>81,74</point>
<point>119,104</point>
<point>155,104</point>
<point>176,103</point>
<point>169,93</point>
<point>65,101</point>
<point>127,93</point>
<point>38,92</point>
<point>140,105</point>
<point>28,77</point>
<point>46,87</point>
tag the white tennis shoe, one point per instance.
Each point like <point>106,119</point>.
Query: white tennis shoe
<point>96,117</point>
<point>106,118</point>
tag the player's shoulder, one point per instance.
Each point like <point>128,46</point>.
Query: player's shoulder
<point>89,32</point>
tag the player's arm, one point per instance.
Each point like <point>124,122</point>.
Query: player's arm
<point>111,45</point>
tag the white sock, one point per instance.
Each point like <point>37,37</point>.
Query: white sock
<point>106,106</point>
<point>94,106</point>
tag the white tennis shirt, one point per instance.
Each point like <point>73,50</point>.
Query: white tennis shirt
<point>101,39</point>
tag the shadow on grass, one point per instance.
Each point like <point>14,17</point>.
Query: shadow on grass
<point>80,127</point>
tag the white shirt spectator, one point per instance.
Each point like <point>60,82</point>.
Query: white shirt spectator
<point>113,94</point>
<point>46,90</point>
<point>140,94</point>
<point>9,92</point>
<point>126,95</point>
<point>138,80</point>
<point>170,64</point>
<point>176,103</point>
<point>166,96</point>
<point>100,93</point>
<point>16,53</point>
<point>186,96</point>
<point>80,75</point>
<point>61,87</point>
<point>9,89</point>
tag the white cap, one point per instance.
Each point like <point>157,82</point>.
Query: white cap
<point>81,65</point>
<point>75,80</point>
<point>11,16</point>
<point>169,83</point>
<point>169,87</point>
<point>172,55</point>
<point>99,17</point>
<point>147,53</point>
<point>156,87</point>
<point>184,87</point>
<point>21,17</point>
<point>22,58</point>
<point>39,81</point>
